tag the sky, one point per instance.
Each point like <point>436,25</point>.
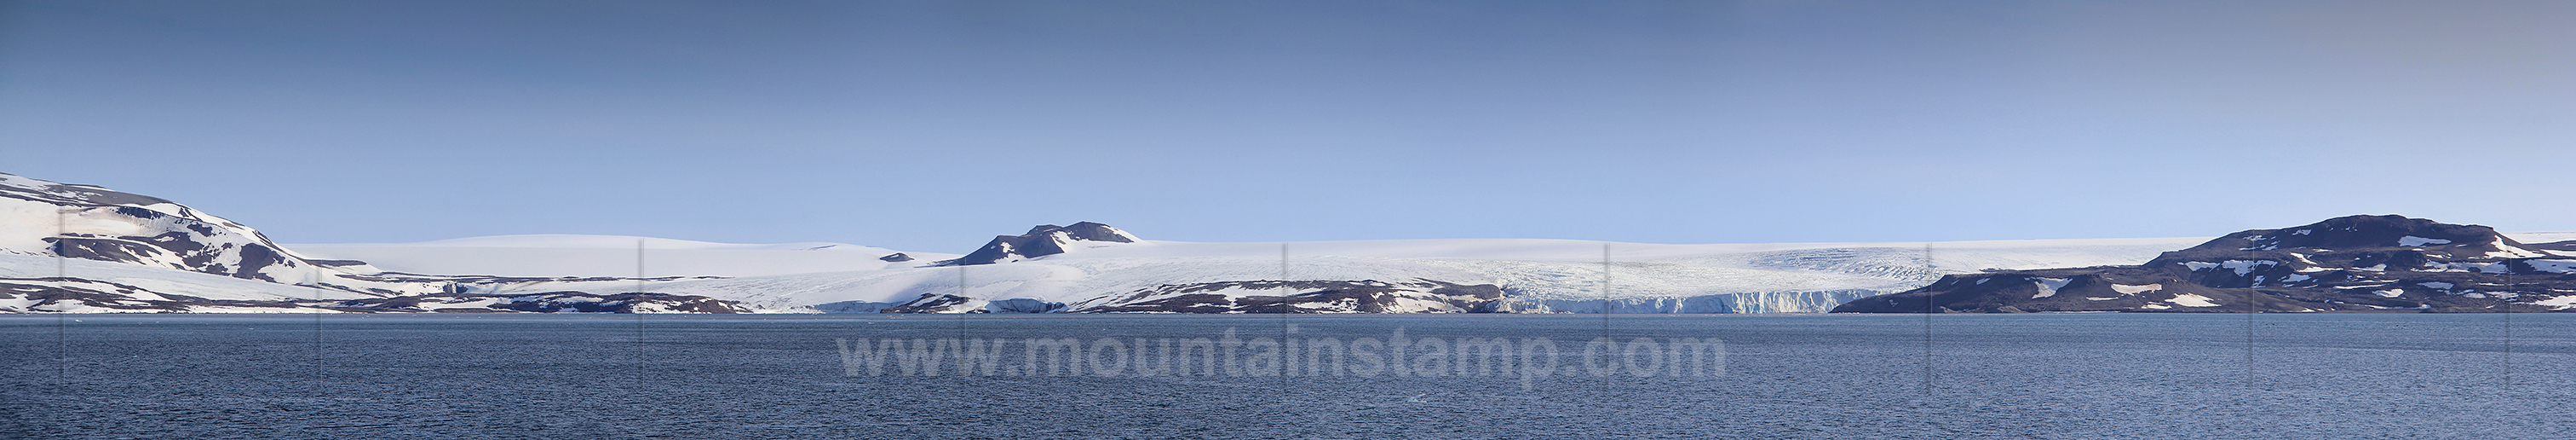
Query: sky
<point>934,126</point>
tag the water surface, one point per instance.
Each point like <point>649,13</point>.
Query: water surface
<point>1784,376</point>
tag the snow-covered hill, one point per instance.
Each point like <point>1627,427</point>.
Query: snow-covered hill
<point>82,248</point>
<point>2355,263</point>
<point>93,223</point>
<point>98,224</point>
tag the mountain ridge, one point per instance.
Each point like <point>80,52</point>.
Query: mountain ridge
<point>149,254</point>
<point>2352,263</point>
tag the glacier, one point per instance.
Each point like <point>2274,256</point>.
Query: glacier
<point>1535,275</point>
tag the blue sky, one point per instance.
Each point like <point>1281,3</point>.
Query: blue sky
<point>934,125</point>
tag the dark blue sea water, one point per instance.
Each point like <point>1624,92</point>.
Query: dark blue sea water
<point>1876,376</point>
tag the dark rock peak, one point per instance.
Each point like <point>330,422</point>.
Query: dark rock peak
<point>897,257</point>
<point>2383,242</point>
<point>2364,232</point>
<point>1042,240</point>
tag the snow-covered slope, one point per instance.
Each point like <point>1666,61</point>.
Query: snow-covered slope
<point>27,275</point>
<point>96,223</point>
<point>99,224</point>
<point>81,248</point>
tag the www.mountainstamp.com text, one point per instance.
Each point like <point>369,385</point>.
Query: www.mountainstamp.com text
<point>1233,355</point>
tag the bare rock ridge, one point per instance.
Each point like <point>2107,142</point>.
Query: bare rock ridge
<point>2356,263</point>
<point>1040,241</point>
<point>549,302</point>
<point>1316,296</point>
<point>1262,296</point>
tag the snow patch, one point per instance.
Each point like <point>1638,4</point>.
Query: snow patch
<point>2510,251</point>
<point>2192,300</point>
<point>2436,266</point>
<point>2125,289</point>
<point>2246,266</point>
<point>2414,241</point>
<point>2048,286</point>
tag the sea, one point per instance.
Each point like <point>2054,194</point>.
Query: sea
<point>1004,376</point>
